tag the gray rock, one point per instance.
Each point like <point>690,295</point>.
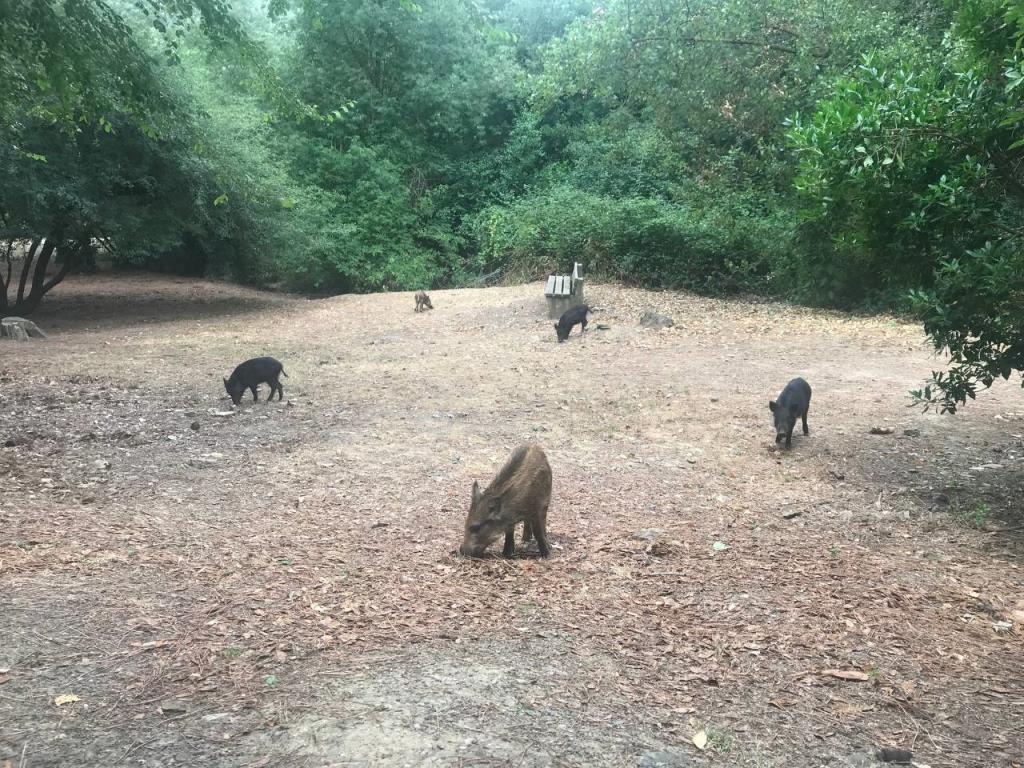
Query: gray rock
<point>651,319</point>
<point>19,329</point>
<point>860,760</point>
<point>13,332</point>
<point>174,707</point>
<point>895,755</point>
<point>882,758</point>
<point>663,760</point>
<point>648,534</point>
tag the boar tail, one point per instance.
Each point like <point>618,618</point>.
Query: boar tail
<point>283,373</point>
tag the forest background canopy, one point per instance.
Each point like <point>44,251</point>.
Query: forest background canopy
<point>850,154</point>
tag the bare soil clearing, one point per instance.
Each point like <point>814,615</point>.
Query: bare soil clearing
<point>273,585</point>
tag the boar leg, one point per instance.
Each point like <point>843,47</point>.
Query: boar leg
<point>527,531</point>
<point>806,430</point>
<point>510,542</point>
<point>255,397</point>
<point>540,531</point>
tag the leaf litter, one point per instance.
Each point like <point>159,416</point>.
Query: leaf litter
<point>321,537</point>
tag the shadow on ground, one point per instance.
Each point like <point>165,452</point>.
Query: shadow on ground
<point>119,300</point>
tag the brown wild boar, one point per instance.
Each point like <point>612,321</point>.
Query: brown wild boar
<point>423,302</point>
<point>520,492</point>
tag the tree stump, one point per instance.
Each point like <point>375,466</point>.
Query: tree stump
<point>19,329</point>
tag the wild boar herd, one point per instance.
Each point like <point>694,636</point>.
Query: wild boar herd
<point>521,491</point>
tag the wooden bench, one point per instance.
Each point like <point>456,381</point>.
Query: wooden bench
<point>564,291</point>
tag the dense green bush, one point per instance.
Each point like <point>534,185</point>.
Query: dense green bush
<point>910,174</point>
<point>975,312</point>
<point>876,173</point>
<point>358,229</point>
<point>649,241</point>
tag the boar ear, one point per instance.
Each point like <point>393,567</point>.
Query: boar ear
<point>772,405</point>
<point>476,491</point>
<point>556,326</point>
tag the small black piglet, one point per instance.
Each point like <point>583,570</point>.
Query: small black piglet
<point>792,404</point>
<point>570,318</point>
<point>252,373</point>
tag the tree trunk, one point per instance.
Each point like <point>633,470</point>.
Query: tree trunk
<point>25,268</point>
<point>37,261</point>
<point>6,280</point>
<point>28,304</point>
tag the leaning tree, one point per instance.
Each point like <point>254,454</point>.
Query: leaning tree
<point>913,171</point>
<point>95,145</point>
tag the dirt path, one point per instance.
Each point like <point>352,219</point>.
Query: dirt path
<point>274,585</point>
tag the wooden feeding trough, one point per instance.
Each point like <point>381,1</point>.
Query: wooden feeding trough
<point>564,291</point>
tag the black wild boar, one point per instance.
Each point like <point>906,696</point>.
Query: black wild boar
<point>520,492</point>
<point>252,373</point>
<point>793,403</point>
<point>568,319</point>
<point>423,302</point>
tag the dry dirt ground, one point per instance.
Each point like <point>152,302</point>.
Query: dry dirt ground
<point>274,585</point>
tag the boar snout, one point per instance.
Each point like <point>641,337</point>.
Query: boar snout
<point>474,544</point>
<point>467,550</point>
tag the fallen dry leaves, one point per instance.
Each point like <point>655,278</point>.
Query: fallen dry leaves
<point>229,556</point>
<point>851,675</point>
<point>700,739</point>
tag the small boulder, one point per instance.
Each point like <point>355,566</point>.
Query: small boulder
<point>651,319</point>
<point>663,760</point>
<point>647,534</point>
<point>19,329</point>
<point>173,707</point>
<point>891,755</point>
